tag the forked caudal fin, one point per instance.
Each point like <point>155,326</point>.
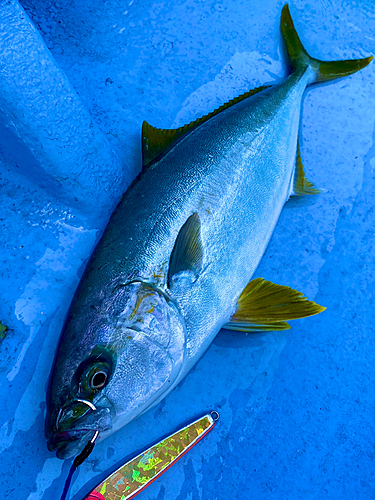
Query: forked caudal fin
<point>300,59</point>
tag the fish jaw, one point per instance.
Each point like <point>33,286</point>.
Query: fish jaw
<point>72,425</point>
<point>68,445</point>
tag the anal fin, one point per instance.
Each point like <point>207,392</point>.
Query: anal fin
<point>265,306</point>
<point>302,185</point>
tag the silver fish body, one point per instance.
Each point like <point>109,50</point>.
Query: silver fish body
<point>133,331</point>
<point>236,173</point>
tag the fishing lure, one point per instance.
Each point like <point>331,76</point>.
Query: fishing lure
<point>136,474</point>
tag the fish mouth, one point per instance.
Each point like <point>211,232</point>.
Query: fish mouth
<point>68,436</point>
<point>69,444</point>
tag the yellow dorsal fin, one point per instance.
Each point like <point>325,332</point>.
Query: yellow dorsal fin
<point>157,141</point>
<point>265,306</point>
<point>302,185</point>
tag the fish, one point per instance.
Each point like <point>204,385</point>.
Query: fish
<point>176,260</point>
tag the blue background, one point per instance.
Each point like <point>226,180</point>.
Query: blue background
<point>297,407</point>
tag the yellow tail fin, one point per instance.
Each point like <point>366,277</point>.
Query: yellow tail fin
<point>300,59</point>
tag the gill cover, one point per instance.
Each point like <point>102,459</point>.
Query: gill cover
<point>149,338</point>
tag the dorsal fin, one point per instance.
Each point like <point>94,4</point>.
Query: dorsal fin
<point>156,142</point>
<point>302,185</point>
<point>265,306</point>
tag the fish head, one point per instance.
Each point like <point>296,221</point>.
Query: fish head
<point>114,362</point>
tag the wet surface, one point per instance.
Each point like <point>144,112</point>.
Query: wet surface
<point>296,407</point>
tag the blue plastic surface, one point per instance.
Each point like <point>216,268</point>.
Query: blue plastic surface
<point>296,407</point>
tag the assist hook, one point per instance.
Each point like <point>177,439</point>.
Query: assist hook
<point>84,453</point>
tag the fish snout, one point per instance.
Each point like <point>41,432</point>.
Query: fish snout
<point>74,425</point>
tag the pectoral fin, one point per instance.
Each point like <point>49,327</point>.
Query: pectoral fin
<point>265,306</point>
<point>187,253</point>
<point>302,185</point>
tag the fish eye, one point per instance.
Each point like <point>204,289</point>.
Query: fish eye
<point>95,377</point>
<point>98,380</point>
<point>94,373</point>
